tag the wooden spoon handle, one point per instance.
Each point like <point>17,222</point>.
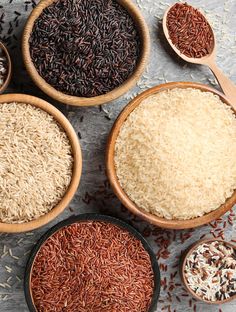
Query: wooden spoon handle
<point>226,84</point>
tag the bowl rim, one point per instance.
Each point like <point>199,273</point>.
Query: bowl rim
<point>111,171</point>
<point>77,163</point>
<point>97,100</point>
<point>9,67</point>
<point>184,257</point>
<point>91,217</point>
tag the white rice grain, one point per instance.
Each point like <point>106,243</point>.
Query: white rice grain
<point>175,154</point>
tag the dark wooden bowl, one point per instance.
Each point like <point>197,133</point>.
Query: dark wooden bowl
<point>92,217</point>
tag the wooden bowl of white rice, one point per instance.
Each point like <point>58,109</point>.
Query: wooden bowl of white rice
<point>40,162</point>
<point>171,155</point>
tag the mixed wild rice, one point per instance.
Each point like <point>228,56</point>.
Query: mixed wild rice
<point>211,271</point>
<point>3,67</point>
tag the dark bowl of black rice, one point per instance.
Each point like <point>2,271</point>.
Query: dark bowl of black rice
<point>92,262</point>
<point>85,53</point>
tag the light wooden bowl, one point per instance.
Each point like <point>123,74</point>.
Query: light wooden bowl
<point>188,252</point>
<point>9,72</point>
<point>77,166</point>
<point>111,171</point>
<point>83,101</point>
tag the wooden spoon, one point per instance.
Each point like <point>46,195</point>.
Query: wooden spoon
<point>226,84</point>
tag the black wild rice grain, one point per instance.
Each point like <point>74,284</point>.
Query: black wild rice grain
<point>85,48</point>
<point>2,18</point>
<point>33,3</point>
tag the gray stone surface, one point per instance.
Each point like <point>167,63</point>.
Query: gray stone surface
<point>163,67</point>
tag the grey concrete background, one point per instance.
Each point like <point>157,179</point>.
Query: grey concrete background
<point>164,66</point>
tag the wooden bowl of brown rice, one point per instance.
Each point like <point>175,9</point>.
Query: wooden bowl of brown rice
<point>171,155</point>
<point>40,162</point>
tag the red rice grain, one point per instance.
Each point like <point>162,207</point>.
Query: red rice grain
<point>92,266</point>
<point>189,31</point>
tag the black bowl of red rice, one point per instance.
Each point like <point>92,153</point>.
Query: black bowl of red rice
<point>92,263</point>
